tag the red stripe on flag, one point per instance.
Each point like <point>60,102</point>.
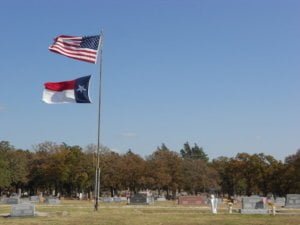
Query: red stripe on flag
<point>76,47</point>
<point>60,86</point>
<point>76,56</point>
<point>74,51</point>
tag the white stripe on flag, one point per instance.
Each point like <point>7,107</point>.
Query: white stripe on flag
<point>52,97</point>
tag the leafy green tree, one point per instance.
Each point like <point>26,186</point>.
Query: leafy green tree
<point>167,169</point>
<point>196,170</point>
<point>57,170</point>
<point>194,175</point>
<point>248,169</point>
<point>18,161</point>
<point>266,166</point>
<point>157,168</point>
<point>14,166</point>
<point>230,181</point>
<point>111,171</point>
<point>193,152</point>
<point>277,178</point>
<point>132,171</point>
<point>4,166</point>
<point>249,174</point>
<point>292,173</point>
<point>76,171</point>
<point>37,170</point>
<point>49,170</point>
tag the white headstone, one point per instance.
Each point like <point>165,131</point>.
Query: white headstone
<point>161,199</point>
<point>214,204</point>
<point>19,192</point>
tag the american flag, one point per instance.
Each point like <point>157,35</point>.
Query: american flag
<point>81,48</point>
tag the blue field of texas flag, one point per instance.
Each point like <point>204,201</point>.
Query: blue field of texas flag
<point>73,91</point>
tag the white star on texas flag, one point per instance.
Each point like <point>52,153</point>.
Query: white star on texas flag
<point>81,88</point>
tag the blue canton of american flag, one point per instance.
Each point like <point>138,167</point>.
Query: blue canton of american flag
<point>80,48</point>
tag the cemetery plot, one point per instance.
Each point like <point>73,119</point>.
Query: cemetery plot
<point>141,199</point>
<point>279,202</point>
<point>52,201</point>
<point>24,209</point>
<point>117,199</point>
<point>34,198</point>
<point>191,200</point>
<point>253,205</point>
<point>12,200</point>
<point>107,199</point>
<point>292,201</point>
<point>161,199</point>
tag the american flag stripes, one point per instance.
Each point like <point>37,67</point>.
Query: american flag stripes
<point>76,47</point>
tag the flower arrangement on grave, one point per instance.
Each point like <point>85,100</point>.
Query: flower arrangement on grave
<point>272,208</point>
<point>229,203</point>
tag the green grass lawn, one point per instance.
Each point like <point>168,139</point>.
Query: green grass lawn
<point>162,213</point>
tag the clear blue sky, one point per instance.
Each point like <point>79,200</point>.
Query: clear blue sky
<point>222,74</point>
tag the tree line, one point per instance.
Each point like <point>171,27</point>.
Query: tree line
<point>71,169</point>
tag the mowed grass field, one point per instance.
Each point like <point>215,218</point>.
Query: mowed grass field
<point>73,212</point>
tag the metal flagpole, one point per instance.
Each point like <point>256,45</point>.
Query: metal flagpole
<point>97,177</point>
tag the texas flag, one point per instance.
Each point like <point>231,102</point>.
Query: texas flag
<point>73,91</point>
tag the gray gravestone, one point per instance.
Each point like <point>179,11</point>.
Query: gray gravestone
<point>123,199</point>
<point>13,200</point>
<point>161,199</point>
<point>279,202</point>
<point>34,198</point>
<point>24,200</point>
<point>52,201</point>
<point>117,199</point>
<point>253,205</point>
<point>3,200</point>
<point>292,201</point>
<point>138,199</point>
<point>24,209</point>
<point>107,200</point>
